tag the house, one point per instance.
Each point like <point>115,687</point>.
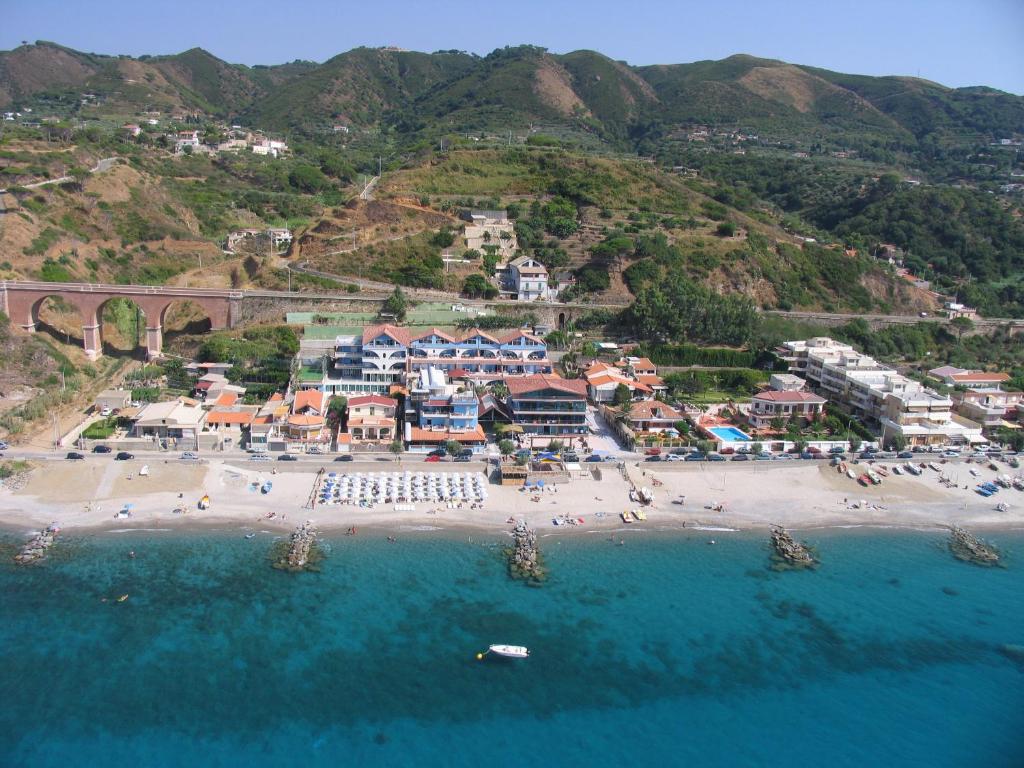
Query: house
<point>438,411</point>
<point>784,404</point>
<point>603,381</point>
<point>278,238</point>
<point>786,382</point>
<point>372,419</point>
<point>491,411</point>
<point>132,129</point>
<point>114,399</point>
<point>199,369</point>
<point>307,422</point>
<point>269,147</point>
<point>527,279</point>
<point>955,310</point>
<point>185,139</point>
<point>175,424</point>
<point>652,416</point>
<point>549,405</point>
<point>267,430</point>
<point>979,395</point>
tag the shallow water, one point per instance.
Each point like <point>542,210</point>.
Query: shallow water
<point>665,651</point>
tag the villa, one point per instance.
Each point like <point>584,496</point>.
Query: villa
<point>372,419</point>
<point>788,404</point>
<point>549,405</point>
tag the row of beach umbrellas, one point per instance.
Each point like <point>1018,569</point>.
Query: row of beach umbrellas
<point>389,487</point>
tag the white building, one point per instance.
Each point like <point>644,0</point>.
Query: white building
<point>491,228</point>
<point>269,147</point>
<point>877,393</point>
<point>527,279</point>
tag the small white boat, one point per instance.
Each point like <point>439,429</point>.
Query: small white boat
<point>645,495</point>
<point>510,651</point>
<point>851,474</point>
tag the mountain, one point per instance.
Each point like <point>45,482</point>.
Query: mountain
<point>194,80</point>
<point>512,88</point>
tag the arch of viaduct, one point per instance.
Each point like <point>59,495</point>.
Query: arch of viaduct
<point>22,300</point>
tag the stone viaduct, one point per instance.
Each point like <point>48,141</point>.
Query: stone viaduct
<point>22,300</point>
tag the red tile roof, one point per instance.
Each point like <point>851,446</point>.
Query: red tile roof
<point>539,381</point>
<point>355,402</point>
<point>401,335</point>
<point>420,435</point>
<point>789,396</point>
<point>226,399</point>
<point>229,417</point>
<point>980,376</point>
<point>434,332</point>
<point>645,409</point>
<point>308,398</point>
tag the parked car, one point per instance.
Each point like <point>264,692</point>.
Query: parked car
<point>124,456</point>
<point>314,449</point>
<point>806,455</point>
<point>4,446</point>
<point>190,456</point>
<point>463,458</point>
<point>105,411</point>
<point>655,457</point>
<point>433,457</point>
<point>593,458</point>
<point>813,449</point>
<point>785,457</point>
<point>695,456</point>
<point>101,449</point>
<point>344,457</point>
<point>727,450</point>
<point>905,455</point>
<point>867,455</point>
<point>287,457</point>
<point>675,457</point>
<point>572,458</point>
<point>763,456</point>
<point>259,457</point>
<point>466,452</point>
<point>741,457</point>
<point>836,449</point>
<point>652,451</point>
<point>956,455</point>
<point>439,452</point>
<point>74,456</point>
<point>716,457</point>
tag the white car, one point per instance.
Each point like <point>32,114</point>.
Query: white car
<point>106,411</point>
<point>190,456</point>
<point>675,457</point>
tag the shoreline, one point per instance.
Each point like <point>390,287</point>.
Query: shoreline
<point>806,496</point>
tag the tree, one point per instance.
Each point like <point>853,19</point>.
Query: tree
<point>800,445</point>
<point>506,448</point>
<point>726,229</point>
<point>307,178</point>
<point>756,448</point>
<point>777,423</point>
<point>682,427</point>
<point>555,446</point>
<point>705,446</point>
<point>897,442</point>
<point>397,449</point>
<point>396,304</point>
<point>500,390</point>
<point>476,286</point>
<point>336,408</point>
<point>622,395</point>
<point>961,324</point>
<point>453,447</point>
<point>854,443</point>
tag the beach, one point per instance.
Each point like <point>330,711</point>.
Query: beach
<point>749,495</point>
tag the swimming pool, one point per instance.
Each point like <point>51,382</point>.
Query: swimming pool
<point>729,434</point>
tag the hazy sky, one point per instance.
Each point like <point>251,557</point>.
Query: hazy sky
<point>955,42</point>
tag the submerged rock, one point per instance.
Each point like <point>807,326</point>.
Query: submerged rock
<point>966,547</point>
<point>789,553</point>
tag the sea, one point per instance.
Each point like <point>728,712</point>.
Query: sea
<point>648,648</point>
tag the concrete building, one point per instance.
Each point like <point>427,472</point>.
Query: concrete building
<point>652,416</point>
<point>372,419</point>
<point>526,279</point>
<point>549,405</point>
<point>784,404</point>
<point>603,381</point>
<point>175,424</point>
<point>877,394</point>
<point>979,395</point>
<point>114,399</point>
<point>383,356</point>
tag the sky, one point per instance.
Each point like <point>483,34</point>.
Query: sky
<point>953,42</point>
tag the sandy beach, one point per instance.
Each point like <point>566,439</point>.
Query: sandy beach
<point>81,495</point>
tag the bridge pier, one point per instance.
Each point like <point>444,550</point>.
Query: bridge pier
<point>154,342</point>
<point>92,340</point>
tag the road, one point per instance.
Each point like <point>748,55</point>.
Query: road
<point>367,193</point>
<point>103,165</point>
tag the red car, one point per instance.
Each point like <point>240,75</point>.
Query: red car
<point>652,451</point>
<point>433,458</point>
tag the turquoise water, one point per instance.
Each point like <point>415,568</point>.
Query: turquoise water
<point>729,433</point>
<point>664,651</point>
